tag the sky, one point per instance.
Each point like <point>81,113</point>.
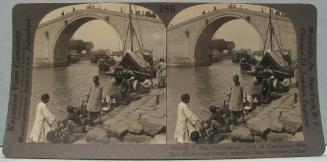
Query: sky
<point>231,31</point>
<point>238,31</point>
<point>108,38</point>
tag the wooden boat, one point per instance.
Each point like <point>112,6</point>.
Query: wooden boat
<point>275,61</point>
<point>133,63</point>
<point>138,63</point>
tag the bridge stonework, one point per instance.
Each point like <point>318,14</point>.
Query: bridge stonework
<point>188,41</point>
<point>52,38</point>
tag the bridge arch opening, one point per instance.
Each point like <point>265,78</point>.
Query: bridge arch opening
<point>238,30</point>
<point>204,38</point>
<point>64,37</point>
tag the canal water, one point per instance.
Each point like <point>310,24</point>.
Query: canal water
<point>206,85</point>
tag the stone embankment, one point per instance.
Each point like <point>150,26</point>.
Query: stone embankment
<point>142,121</point>
<point>279,121</point>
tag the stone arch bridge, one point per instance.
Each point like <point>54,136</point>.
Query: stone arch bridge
<point>188,41</point>
<point>52,38</point>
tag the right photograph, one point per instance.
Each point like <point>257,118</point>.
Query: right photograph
<point>232,76</point>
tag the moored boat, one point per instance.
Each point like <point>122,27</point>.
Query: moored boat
<point>137,63</point>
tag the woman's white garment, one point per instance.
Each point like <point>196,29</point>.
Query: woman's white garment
<point>42,124</point>
<point>186,121</point>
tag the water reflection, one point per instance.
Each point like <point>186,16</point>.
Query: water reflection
<point>204,85</point>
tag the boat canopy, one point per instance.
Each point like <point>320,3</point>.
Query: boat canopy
<point>276,60</point>
<point>134,61</point>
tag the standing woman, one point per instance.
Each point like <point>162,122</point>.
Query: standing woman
<point>186,121</point>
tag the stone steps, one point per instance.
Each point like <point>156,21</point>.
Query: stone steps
<point>140,120</point>
<point>279,121</point>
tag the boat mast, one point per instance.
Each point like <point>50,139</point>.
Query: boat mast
<point>272,34</point>
<point>130,26</point>
<point>271,28</point>
<point>131,32</point>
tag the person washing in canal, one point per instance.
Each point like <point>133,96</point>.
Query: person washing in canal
<point>94,100</point>
<point>216,123</point>
<point>236,102</point>
<point>72,118</point>
<point>186,121</point>
<point>44,121</point>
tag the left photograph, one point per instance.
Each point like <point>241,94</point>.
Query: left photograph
<point>99,76</point>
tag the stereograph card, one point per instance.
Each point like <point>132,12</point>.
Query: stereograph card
<point>161,80</point>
